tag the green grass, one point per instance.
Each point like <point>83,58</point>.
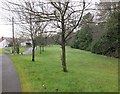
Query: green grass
<point>2,50</point>
<point>22,49</point>
<point>87,72</point>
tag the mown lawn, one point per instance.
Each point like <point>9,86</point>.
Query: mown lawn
<point>87,72</point>
<point>2,50</point>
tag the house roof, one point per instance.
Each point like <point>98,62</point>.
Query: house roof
<point>7,38</point>
<point>0,39</point>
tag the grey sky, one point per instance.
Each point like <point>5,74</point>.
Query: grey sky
<point>5,26</point>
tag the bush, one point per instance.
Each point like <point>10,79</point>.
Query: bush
<point>83,38</point>
<point>108,44</point>
<point>10,44</point>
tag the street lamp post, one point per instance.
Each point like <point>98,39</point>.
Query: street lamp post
<point>13,50</point>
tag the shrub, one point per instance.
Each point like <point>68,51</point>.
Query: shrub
<point>83,38</point>
<point>108,44</point>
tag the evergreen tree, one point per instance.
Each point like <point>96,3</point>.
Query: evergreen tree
<point>83,38</point>
<point>108,43</point>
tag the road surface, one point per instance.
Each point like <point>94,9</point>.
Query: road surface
<point>10,79</point>
<point>0,73</point>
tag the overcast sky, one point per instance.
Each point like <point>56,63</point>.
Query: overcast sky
<point>6,27</point>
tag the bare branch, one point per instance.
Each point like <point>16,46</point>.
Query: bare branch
<point>77,22</point>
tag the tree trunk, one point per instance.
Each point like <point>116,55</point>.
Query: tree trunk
<point>33,51</point>
<point>64,58</point>
<point>63,46</point>
<point>33,54</point>
<point>43,48</point>
<point>17,49</point>
<point>40,49</point>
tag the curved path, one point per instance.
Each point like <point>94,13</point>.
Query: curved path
<point>0,73</point>
<point>10,79</point>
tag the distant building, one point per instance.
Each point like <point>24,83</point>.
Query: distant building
<point>4,42</point>
<point>7,41</point>
<point>7,38</point>
<point>26,43</point>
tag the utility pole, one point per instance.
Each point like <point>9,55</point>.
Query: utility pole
<point>13,50</point>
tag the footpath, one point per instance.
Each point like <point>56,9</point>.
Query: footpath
<point>10,79</point>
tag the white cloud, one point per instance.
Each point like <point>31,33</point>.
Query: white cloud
<point>110,0</point>
<point>5,30</point>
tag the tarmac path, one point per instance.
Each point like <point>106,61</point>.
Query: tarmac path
<point>0,73</point>
<point>10,79</point>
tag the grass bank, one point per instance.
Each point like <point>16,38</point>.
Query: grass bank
<point>87,72</point>
<point>2,50</point>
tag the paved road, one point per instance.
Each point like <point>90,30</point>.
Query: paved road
<point>29,51</point>
<point>10,79</point>
<point>0,74</point>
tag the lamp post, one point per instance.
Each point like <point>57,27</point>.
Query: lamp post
<point>13,50</point>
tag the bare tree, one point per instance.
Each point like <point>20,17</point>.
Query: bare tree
<point>30,24</point>
<point>40,39</point>
<point>67,17</point>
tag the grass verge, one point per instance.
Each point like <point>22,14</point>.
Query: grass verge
<point>87,72</point>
